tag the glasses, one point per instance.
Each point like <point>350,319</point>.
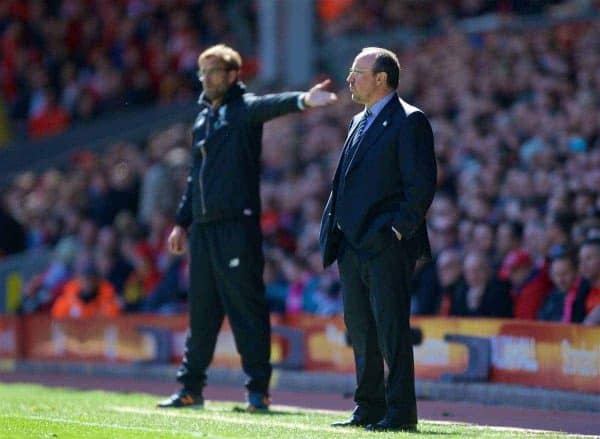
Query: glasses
<point>209,72</point>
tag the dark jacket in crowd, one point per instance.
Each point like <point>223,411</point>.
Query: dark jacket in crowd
<point>574,310</point>
<point>553,307</point>
<point>429,297</point>
<point>224,178</point>
<point>495,301</point>
<point>12,234</point>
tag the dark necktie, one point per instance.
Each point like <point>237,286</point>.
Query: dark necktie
<point>349,153</point>
<point>358,135</point>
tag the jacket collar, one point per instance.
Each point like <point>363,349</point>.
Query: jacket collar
<point>379,125</point>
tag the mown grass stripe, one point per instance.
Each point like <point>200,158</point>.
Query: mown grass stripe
<point>71,413</point>
<point>102,425</point>
<point>258,420</point>
<point>262,420</point>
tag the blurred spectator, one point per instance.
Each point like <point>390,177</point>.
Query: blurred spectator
<point>589,259</point>
<point>158,186</point>
<point>425,288</point>
<point>294,270</point>
<point>110,261</point>
<point>435,283</point>
<point>170,293</point>
<point>529,285</point>
<point>12,238</point>
<point>563,274</point>
<point>323,293</point>
<point>483,238</point>
<point>86,296</point>
<point>559,229</point>
<point>509,237</point>
<point>328,295</point>
<point>41,291</point>
<point>275,285</point>
<point>144,277</point>
<point>480,294</point>
<point>48,120</point>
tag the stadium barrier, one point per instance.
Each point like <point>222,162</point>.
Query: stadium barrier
<point>547,355</point>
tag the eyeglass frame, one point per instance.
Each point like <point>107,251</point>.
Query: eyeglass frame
<point>200,75</point>
<point>359,71</point>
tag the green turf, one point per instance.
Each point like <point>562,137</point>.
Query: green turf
<point>30,411</point>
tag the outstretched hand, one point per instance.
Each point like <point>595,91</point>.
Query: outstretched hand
<point>317,96</point>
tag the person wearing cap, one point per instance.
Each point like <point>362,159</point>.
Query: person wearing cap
<point>530,285</point>
<point>220,212</point>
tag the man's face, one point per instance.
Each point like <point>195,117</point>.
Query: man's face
<point>505,240</point>
<point>89,287</point>
<point>361,79</point>
<point>589,261</point>
<point>449,268</point>
<point>562,274</point>
<point>216,79</point>
<point>518,275</point>
<point>476,271</point>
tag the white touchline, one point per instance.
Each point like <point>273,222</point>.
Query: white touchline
<point>207,415</point>
<point>100,424</point>
<point>214,417</point>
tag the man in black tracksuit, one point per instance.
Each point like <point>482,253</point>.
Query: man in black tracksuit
<point>221,211</point>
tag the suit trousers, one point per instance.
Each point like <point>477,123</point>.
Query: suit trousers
<point>376,293</point>
<point>226,278</point>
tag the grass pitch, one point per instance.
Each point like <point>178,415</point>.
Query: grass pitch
<point>31,411</point>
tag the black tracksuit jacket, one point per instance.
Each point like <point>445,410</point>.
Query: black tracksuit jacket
<point>224,177</point>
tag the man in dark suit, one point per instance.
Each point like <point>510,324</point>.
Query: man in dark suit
<point>374,225</point>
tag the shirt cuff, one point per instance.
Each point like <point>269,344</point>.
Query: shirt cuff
<point>301,104</point>
<point>397,233</point>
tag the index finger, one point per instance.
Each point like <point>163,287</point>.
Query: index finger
<point>323,84</point>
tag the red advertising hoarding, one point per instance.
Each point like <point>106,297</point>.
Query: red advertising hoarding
<point>529,353</point>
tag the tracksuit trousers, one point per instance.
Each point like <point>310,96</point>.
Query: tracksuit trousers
<point>226,279</point>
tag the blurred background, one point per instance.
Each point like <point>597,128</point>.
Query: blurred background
<point>96,99</point>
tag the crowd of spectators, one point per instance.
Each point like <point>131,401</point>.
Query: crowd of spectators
<point>70,60</point>
<point>514,227</point>
<point>346,17</point>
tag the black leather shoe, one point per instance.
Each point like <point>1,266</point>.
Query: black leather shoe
<point>183,398</point>
<point>360,418</point>
<point>388,425</point>
<point>353,421</point>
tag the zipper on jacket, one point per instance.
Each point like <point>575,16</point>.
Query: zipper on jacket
<point>209,116</point>
<point>202,201</point>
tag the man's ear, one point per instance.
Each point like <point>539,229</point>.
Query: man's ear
<point>381,78</point>
<point>232,76</point>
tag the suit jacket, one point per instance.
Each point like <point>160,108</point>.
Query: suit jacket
<point>390,182</point>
